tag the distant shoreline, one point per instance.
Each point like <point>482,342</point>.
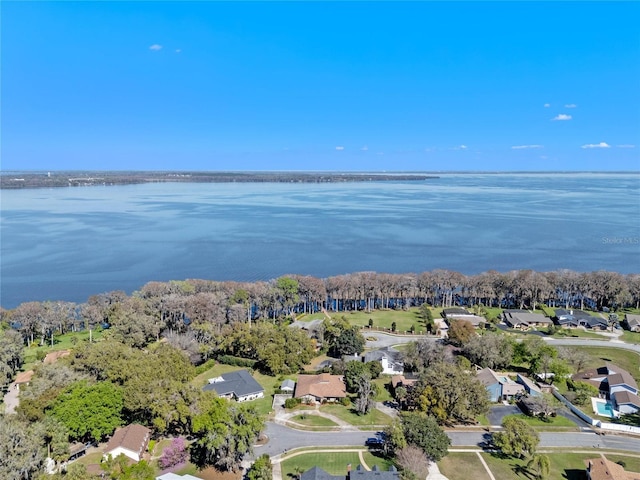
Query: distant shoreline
<point>21,180</point>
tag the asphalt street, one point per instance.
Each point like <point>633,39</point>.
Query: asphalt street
<point>282,439</point>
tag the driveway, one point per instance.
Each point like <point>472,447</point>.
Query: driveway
<point>11,399</point>
<point>498,412</point>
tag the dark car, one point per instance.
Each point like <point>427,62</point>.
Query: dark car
<point>374,442</point>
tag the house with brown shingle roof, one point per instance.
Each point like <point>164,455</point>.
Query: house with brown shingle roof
<point>322,387</point>
<point>23,378</point>
<point>53,357</point>
<point>131,441</point>
<point>604,469</point>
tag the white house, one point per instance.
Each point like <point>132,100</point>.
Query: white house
<point>131,441</point>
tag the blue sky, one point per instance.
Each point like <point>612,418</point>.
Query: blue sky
<point>320,86</point>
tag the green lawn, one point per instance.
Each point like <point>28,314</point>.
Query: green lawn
<point>383,394</point>
<point>313,420</point>
<point>630,337</point>
<point>334,463</point>
<point>60,342</point>
<point>578,333</point>
<point>458,466</point>
<point>626,359</point>
<point>557,421</point>
<point>632,464</point>
<point>370,459</point>
<point>382,318</point>
<point>372,419</point>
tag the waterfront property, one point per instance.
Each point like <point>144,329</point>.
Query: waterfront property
<point>238,385</point>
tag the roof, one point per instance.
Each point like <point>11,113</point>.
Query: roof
<point>324,385</point>
<point>175,476</point>
<point>288,383</point>
<point>238,383</point>
<point>375,473</point>
<point>577,314</point>
<point>487,377</point>
<point>377,355</point>
<point>24,377</point>
<point>632,319</point>
<point>474,320</point>
<point>625,397</point>
<point>603,469</point>
<point>401,380</point>
<point>316,473</point>
<point>619,376</point>
<point>456,311</point>
<point>53,357</point>
<point>517,317</point>
<point>133,437</point>
<point>528,383</point>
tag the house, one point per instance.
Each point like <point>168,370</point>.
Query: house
<point>130,441</point>
<point>238,385</point>
<point>499,387</point>
<point>316,473</point>
<point>632,322</point>
<point>53,357</point>
<point>529,385</point>
<point>576,318</point>
<point>524,319</point>
<point>288,386</point>
<point>23,378</point>
<point>322,387</point>
<point>458,313</point>
<point>175,476</point>
<point>602,469</point>
<point>615,383</point>
<point>388,357</point>
<point>402,381</point>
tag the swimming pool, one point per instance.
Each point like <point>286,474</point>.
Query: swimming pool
<point>604,409</point>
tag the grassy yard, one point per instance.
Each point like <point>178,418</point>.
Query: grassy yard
<point>372,419</point>
<point>564,466</point>
<point>60,342</point>
<point>334,463</point>
<point>457,466</point>
<point>313,420</point>
<point>631,464</point>
<point>383,394</point>
<point>383,318</point>
<point>578,333</point>
<point>557,421</point>
<point>630,337</point>
<point>626,359</point>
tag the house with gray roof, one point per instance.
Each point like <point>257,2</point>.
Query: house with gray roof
<point>529,385</point>
<point>524,319</point>
<point>499,387</point>
<point>317,473</point>
<point>389,358</point>
<point>632,322</point>
<point>288,385</point>
<point>238,385</point>
<point>578,318</point>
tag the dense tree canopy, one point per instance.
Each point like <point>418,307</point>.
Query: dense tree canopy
<point>517,438</point>
<point>424,432</point>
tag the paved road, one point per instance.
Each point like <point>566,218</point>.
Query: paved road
<point>282,438</point>
<point>385,340</point>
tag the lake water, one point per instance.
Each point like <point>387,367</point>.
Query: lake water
<point>70,243</point>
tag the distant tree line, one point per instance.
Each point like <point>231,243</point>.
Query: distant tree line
<point>205,307</point>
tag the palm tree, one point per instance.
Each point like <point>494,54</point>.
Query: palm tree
<point>298,470</point>
<point>540,464</point>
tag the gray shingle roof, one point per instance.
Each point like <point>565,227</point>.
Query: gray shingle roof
<point>238,383</point>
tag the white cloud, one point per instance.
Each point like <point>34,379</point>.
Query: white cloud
<point>155,47</point>
<point>562,116</point>
<point>547,105</point>
<point>365,148</point>
<point>522,147</point>
<point>626,145</point>
<point>178,50</point>
<point>570,105</point>
<point>339,147</point>
<point>597,145</point>
<point>460,147</point>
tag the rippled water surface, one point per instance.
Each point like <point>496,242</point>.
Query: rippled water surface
<point>69,243</point>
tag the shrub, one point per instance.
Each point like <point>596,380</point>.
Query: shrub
<point>292,402</point>
<point>345,401</point>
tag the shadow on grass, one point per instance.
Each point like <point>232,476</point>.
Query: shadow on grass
<point>574,474</point>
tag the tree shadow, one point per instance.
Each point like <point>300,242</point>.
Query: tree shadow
<point>521,470</point>
<point>574,474</point>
